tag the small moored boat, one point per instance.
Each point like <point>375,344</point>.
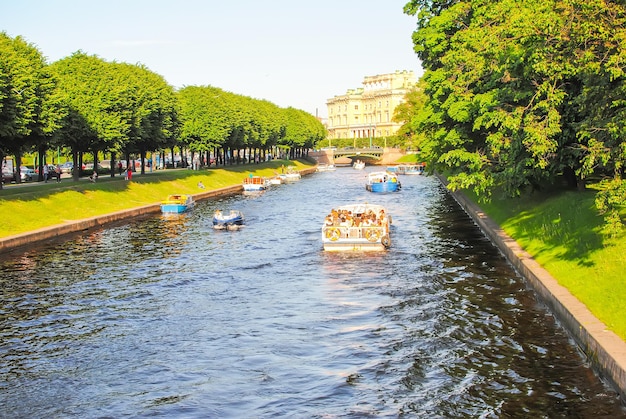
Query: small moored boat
<point>276,180</point>
<point>232,220</point>
<point>382,182</point>
<point>357,227</point>
<point>292,174</point>
<point>323,167</point>
<point>176,204</point>
<point>255,183</point>
<point>410,169</point>
<point>358,165</point>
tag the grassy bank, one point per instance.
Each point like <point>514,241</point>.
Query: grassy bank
<point>29,207</point>
<point>562,231</point>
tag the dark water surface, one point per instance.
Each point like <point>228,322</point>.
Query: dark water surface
<point>169,318</point>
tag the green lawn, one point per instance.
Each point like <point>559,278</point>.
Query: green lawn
<point>562,231</point>
<point>29,207</point>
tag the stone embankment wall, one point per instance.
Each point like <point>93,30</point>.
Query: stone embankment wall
<point>604,349</point>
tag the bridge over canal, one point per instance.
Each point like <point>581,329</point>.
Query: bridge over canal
<point>373,155</point>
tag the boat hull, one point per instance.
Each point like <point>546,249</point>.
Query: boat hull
<point>177,204</point>
<point>383,187</point>
<point>173,208</point>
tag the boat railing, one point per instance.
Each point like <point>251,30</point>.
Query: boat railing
<point>371,233</point>
<point>254,180</point>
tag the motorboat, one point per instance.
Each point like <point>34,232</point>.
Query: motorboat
<point>357,227</point>
<point>177,204</point>
<point>291,175</point>
<point>382,182</point>
<point>410,169</point>
<point>276,180</point>
<point>323,167</point>
<point>232,220</point>
<point>358,165</point>
<point>255,183</point>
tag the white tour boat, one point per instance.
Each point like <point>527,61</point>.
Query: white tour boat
<point>357,227</point>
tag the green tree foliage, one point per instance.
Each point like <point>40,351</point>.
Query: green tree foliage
<point>520,92</point>
<point>27,106</point>
<point>90,105</point>
<point>114,107</point>
<point>212,118</point>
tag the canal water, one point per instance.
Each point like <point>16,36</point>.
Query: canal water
<point>167,317</point>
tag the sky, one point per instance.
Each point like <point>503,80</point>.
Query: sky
<point>289,52</point>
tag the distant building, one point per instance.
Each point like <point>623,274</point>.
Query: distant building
<point>366,112</point>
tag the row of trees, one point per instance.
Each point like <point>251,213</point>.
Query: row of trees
<point>516,93</point>
<point>87,104</point>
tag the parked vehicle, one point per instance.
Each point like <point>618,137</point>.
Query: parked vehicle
<point>7,176</point>
<point>67,167</point>
<point>27,175</point>
<point>52,174</point>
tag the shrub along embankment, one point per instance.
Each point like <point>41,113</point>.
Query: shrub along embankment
<point>27,208</point>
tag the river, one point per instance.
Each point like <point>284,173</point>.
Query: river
<point>166,317</point>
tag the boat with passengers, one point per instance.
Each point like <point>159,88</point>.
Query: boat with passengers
<point>382,182</point>
<point>357,227</point>
<point>233,220</point>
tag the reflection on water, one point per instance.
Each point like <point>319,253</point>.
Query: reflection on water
<point>169,317</point>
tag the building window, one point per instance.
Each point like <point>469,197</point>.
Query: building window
<point>356,107</point>
<point>356,118</point>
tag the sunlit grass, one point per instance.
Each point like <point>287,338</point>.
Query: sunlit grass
<point>562,231</point>
<point>30,207</point>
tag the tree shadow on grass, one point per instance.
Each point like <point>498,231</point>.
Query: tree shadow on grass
<point>557,223</point>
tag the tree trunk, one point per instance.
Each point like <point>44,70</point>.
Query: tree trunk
<point>112,164</point>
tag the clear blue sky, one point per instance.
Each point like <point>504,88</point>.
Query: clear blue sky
<point>290,52</point>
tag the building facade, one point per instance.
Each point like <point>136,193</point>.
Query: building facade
<point>367,112</point>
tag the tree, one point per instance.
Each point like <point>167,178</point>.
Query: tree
<point>27,108</point>
<point>521,92</point>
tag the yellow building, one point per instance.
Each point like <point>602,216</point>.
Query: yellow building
<point>366,112</point>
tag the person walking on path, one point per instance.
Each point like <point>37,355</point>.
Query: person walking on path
<point>45,173</point>
<point>57,170</point>
<point>129,174</point>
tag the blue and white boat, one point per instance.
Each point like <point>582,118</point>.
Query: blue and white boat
<point>228,221</point>
<point>382,182</point>
<point>177,204</point>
